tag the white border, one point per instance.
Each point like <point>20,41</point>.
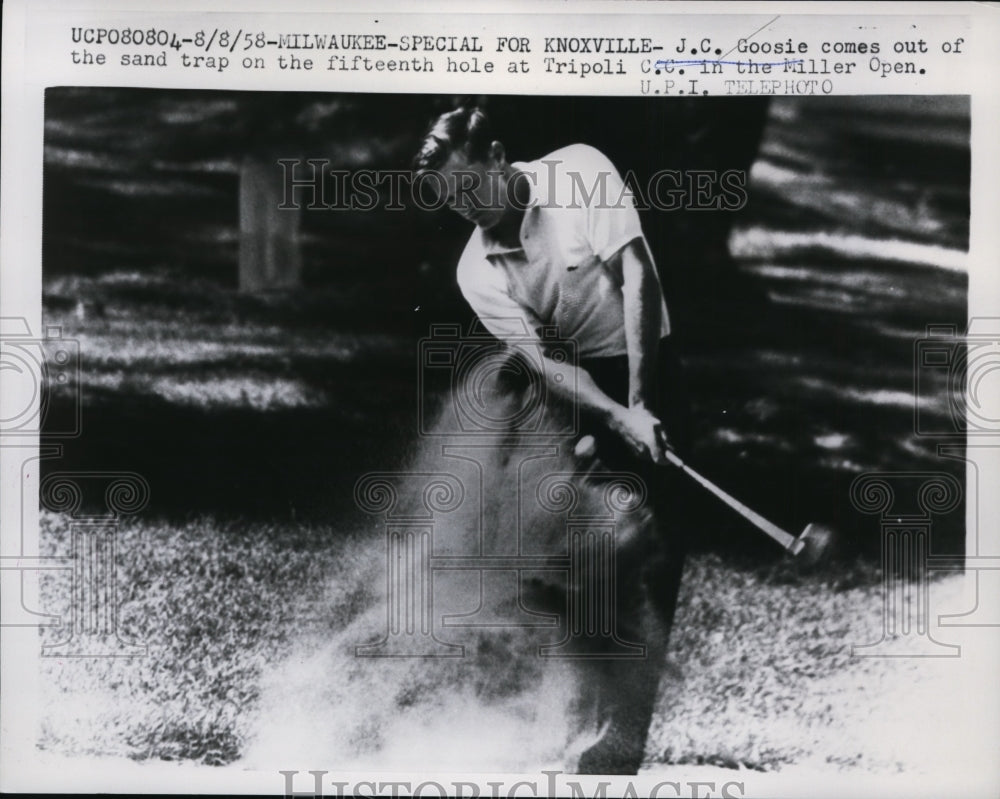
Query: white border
<point>20,294</point>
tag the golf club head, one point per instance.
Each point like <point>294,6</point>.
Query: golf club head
<point>814,544</point>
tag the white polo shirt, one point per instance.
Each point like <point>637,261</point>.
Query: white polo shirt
<point>565,273</point>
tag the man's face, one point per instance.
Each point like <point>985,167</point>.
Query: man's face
<point>477,190</point>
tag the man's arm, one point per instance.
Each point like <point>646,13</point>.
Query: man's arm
<point>574,383</point>
<point>643,319</point>
<point>503,317</point>
<point>642,301</point>
<point>637,426</point>
<point>615,236</point>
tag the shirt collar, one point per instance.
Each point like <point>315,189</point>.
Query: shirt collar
<point>493,247</point>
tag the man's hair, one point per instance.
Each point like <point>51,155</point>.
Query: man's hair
<point>466,129</point>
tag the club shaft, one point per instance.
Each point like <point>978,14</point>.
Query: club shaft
<point>787,540</point>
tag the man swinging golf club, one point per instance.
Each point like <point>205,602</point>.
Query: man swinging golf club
<point>558,242</point>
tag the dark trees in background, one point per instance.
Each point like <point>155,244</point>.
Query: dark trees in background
<point>270,251</point>
<point>352,131</point>
<point>644,136</point>
<point>190,180</point>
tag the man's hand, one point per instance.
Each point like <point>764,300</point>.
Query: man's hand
<point>642,431</point>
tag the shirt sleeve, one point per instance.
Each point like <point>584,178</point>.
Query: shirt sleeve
<point>612,219</point>
<point>614,223</point>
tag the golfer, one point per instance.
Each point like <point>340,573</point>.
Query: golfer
<point>558,242</point>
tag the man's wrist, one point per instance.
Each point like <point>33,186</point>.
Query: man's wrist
<point>613,414</point>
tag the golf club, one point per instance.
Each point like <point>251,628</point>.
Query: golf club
<point>814,540</point>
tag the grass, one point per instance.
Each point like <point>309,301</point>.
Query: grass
<point>214,604</point>
<point>241,619</point>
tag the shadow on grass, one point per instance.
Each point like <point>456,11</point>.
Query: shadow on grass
<point>254,416</point>
<point>233,462</point>
<point>248,409</point>
<point>793,399</point>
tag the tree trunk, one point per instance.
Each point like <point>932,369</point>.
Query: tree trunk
<point>270,250</point>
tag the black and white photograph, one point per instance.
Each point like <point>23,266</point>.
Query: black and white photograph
<point>529,401</point>
<point>506,433</point>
